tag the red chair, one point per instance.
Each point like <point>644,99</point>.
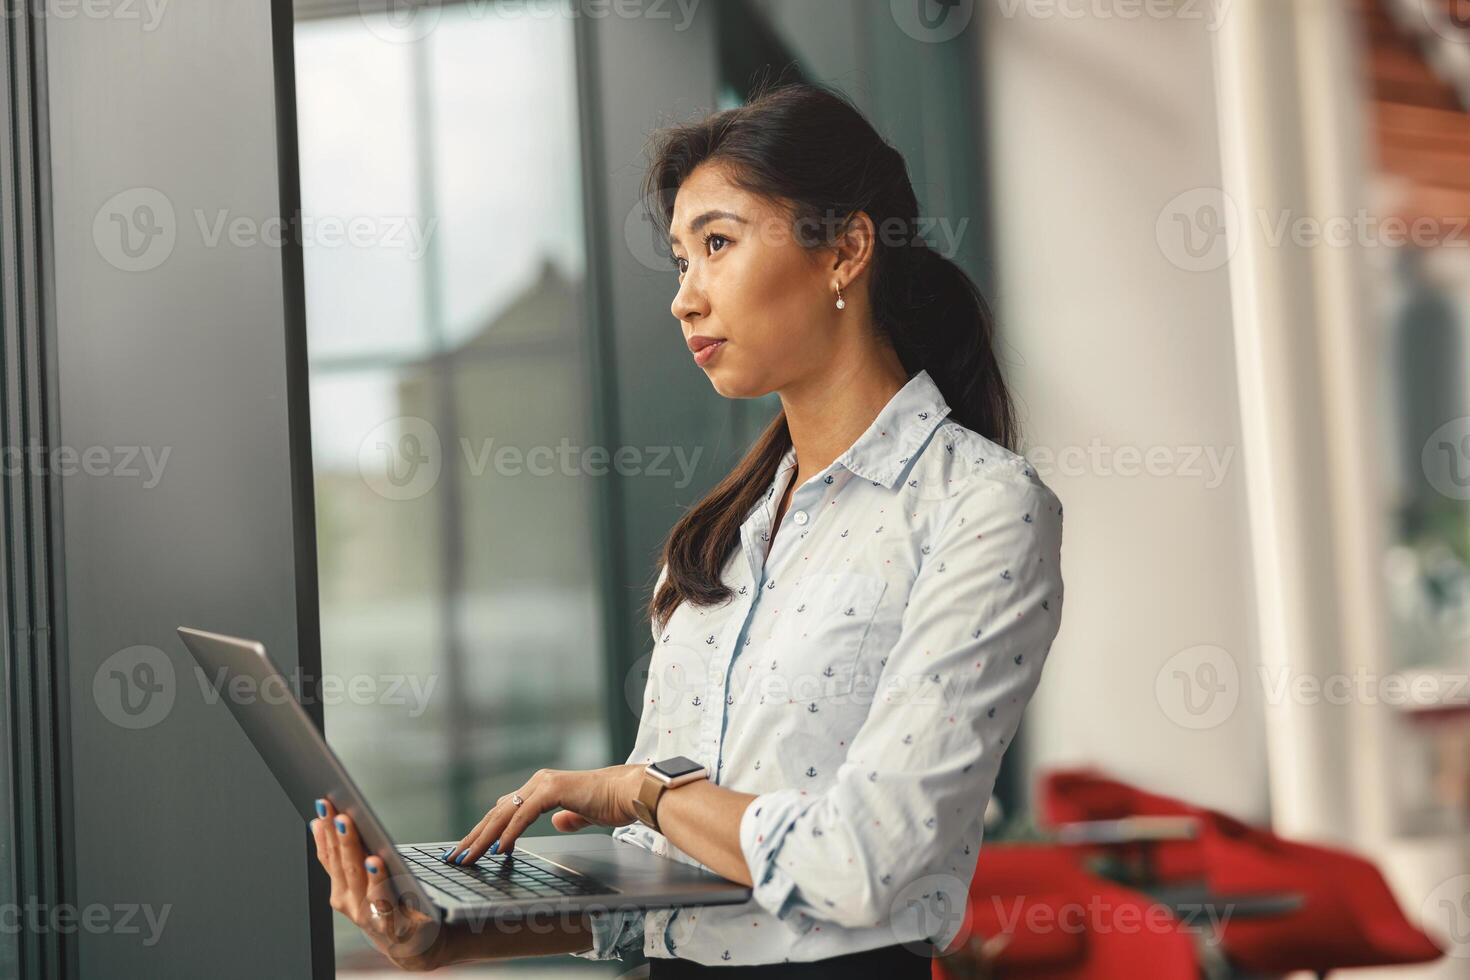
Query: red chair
<point>1075,796</point>
<point>1347,916</point>
<point>1061,923</point>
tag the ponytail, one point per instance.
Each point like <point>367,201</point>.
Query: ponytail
<point>940,322</point>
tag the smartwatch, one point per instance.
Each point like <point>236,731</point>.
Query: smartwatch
<point>660,777</point>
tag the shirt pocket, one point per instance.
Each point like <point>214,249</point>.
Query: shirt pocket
<point>822,638</point>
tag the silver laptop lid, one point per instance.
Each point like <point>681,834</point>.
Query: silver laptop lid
<point>303,763</point>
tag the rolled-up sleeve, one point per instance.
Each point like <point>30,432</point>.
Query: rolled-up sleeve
<point>619,933</point>
<point>981,617</point>
<point>616,934</point>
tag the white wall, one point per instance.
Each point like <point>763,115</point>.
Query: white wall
<point>1095,125</point>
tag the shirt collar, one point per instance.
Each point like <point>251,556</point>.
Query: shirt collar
<point>882,452</point>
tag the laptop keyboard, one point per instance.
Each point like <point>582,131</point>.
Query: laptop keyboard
<point>499,877</point>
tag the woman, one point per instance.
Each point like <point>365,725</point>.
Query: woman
<point>848,627</point>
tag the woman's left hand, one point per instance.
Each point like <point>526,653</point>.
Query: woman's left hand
<point>595,797</point>
<point>363,891</point>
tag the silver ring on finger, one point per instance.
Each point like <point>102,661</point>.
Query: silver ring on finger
<point>380,908</point>
<point>516,799</point>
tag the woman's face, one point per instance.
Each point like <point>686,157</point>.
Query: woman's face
<point>746,283</point>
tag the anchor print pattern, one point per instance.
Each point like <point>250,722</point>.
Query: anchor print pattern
<point>897,627</point>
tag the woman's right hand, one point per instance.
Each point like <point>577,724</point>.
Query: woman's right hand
<point>410,938</point>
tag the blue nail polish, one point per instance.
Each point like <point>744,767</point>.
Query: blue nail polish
<point>341,826</point>
<point>463,854</point>
<point>321,808</point>
<point>494,848</point>
<point>372,869</point>
<point>445,855</point>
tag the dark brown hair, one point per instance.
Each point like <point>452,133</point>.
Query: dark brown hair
<point>807,148</point>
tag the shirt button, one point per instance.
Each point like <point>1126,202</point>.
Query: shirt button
<point>799,517</point>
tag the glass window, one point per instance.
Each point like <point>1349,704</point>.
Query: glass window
<point>1419,271</point>
<point>449,398</point>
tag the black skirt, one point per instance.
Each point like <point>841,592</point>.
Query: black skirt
<point>889,962</point>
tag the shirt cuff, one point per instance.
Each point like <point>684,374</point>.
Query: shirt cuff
<point>763,829</point>
<point>618,933</point>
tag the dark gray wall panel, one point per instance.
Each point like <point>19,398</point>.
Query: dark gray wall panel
<point>35,856</point>
<point>178,346</point>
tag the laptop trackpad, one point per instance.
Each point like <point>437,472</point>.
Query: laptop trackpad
<point>617,863</point>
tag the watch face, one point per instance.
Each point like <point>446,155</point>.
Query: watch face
<point>679,765</point>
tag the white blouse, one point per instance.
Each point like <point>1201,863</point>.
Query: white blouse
<point>864,680</point>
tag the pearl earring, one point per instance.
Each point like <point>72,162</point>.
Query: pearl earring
<point>841,303</point>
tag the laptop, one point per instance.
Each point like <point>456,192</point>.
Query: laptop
<point>569,872</point>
